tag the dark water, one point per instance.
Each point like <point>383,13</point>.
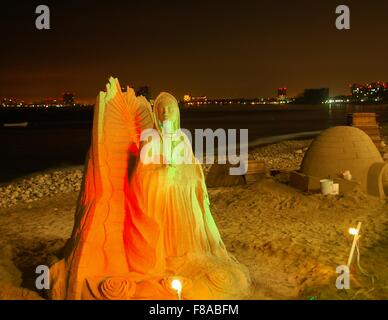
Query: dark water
<point>61,137</point>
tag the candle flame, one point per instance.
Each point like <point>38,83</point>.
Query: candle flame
<point>353,231</point>
<point>177,285</point>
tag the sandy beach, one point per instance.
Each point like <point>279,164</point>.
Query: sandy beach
<point>290,241</point>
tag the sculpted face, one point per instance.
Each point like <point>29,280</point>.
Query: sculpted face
<point>168,112</point>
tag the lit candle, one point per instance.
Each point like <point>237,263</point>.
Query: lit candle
<point>356,233</point>
<point>177,286</point>
<point>353,231</point>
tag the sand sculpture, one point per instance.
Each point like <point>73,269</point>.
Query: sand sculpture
<point>139,227</point>
<point>340,149</point>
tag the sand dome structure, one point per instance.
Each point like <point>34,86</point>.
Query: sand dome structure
<point>342,148</point>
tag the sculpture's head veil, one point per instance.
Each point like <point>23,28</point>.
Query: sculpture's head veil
<point>163,99</point>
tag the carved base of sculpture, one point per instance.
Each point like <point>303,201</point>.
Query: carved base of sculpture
<point>202,278</point>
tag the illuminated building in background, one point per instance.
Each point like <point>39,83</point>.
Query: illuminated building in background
<point>338,99</point>
<point>10,102</point>
<point>49,102</point>
<point>282,94</point>
<point>371,92</point>
<point>188,100</point>
<point>358,92</point>
<point>68,99</point>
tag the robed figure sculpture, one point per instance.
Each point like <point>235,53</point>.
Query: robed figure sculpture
<point>143,219</point>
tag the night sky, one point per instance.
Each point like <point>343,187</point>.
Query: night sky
<point>213,48</point>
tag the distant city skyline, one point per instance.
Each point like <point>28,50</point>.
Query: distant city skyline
<point>214,48</point>
<point>358,90</point>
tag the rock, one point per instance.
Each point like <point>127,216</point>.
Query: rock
<point>37,187</point>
